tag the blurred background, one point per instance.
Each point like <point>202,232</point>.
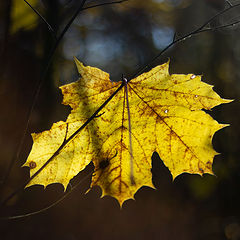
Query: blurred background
<point>119,39</point>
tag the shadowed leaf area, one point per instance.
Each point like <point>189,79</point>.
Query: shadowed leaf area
<point>166,117</point>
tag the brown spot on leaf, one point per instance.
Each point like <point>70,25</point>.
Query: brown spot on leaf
<point>209,165</point>
<point>103,164</point>
<point>32,164</point>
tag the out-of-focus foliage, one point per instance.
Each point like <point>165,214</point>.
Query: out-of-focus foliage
<point>22,16</point>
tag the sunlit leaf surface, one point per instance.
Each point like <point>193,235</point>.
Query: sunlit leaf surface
<point>166,117</point>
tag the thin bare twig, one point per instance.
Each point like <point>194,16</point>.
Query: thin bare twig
<point>104,4</point>
<point>43,19</point>
<point>229,3</point>
<point>66,194</point>
<point>189,35</point>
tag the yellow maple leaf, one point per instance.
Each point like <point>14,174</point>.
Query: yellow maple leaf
<point>166,117</point>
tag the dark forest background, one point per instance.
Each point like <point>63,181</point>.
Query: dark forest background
<point>119,39</point>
